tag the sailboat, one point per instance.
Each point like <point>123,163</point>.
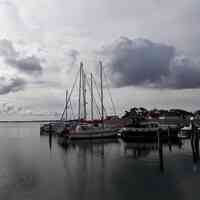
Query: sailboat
<point>89,129</point>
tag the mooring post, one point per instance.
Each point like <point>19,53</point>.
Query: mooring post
<point>169,138</point>
<point>50,136</point>
<point>192,134</point>
<point>193,142</point>
<point>160,151</point>
<point>197,142</point>
<point>193,152</point>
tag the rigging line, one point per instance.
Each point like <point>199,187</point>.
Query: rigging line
<point>70,94</point>
<point>95,83</point>
<point>84,94</point>
<point>70,102</point>
<point>98,109</point>
<point>113,105</point>
<point>96,87</point>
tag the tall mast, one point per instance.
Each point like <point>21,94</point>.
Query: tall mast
<point>101,79</point>
<point>91,85</point>
<point>84,93</point>
<point>79,98</point>
<point>66,105</point>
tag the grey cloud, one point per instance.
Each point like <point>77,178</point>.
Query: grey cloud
<point>29,65</point>
<point>46,83</point>
<point>72,57</point>
<point>7,50</point>
<point>184,73</point>
<point>7,108</point>
<point>11,85</point>
<point>141,62</point>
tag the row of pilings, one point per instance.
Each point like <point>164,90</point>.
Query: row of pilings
<point>194,140</point>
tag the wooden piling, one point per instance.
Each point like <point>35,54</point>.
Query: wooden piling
<point>197,142</point>
<point>160,151</point>
<point>193,143</point>
<point>50,136</point>
<point>193,152</point>
<point>169,138</point>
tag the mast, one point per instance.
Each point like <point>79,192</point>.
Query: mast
<point>84,93</point>
<point>66,105</point>
<point>101,79</point>
<point>79,98</point>
<point>91,85</point>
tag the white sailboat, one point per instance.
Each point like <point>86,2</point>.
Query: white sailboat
<point>89,129</point>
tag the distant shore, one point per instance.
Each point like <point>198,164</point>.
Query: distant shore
<point>30,121</point>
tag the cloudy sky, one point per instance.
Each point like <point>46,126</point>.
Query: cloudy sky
<point>150,53</point>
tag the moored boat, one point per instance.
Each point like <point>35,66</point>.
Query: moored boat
<point>148,132</point>
<point>55,128</point>
<point>88,131</point>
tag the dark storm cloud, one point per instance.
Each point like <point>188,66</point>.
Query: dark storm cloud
<point>184,74</point>
<point>29,65</point>
<point>141,62</point>
<point>11,85</point>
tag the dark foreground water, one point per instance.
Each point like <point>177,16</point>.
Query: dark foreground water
<point>31,168</point>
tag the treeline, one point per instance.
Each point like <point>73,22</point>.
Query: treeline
<point>157,113</point>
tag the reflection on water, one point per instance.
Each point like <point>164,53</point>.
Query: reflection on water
<point>34,167</point>
<point>139,150</point>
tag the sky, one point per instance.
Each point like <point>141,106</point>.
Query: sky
<point>149,49</point>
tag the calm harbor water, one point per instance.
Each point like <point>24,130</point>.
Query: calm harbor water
<point>31,168</point>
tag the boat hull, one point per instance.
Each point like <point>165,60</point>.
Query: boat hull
<point>88,136</point>
<point>93,136</point>
<point>150,139</point>
<point>135,136</point>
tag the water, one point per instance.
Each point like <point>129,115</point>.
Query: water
<point>31,168</point>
